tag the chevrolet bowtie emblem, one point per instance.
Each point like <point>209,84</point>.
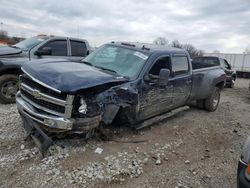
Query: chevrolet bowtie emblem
<point>36,94</point>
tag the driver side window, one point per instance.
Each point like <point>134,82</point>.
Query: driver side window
<point>58,47</point>
<point>161,63</point>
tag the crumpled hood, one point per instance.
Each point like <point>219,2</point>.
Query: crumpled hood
<point>8,51</point>
<point>67,76</point>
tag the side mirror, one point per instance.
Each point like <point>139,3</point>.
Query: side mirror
<point>164,76</point>
<point>147,78</point>
<point>43,51</point>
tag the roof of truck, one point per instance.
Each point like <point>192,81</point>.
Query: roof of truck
<point>57,37</point>
<point>148,48</point>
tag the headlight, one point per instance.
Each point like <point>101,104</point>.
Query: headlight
<point>83,107</point>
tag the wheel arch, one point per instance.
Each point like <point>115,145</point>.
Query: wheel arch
<point>11,70</point>
<point>220,85</point>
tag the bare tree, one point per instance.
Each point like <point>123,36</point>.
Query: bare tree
<point>161,41</point>
<point>176,44</point>
<point>193,52</point>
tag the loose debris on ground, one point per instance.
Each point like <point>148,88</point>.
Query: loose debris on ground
<point>194,148</point>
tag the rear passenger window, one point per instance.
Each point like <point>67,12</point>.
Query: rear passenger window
<point>180,65</point>
<point>78,48</point>
<point>58,47</point>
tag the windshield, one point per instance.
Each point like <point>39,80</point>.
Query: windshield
<point>29,43</point>
<point>123,61</point>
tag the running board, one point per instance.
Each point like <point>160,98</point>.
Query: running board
<point>160,118</point>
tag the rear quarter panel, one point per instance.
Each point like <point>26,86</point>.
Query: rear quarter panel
<point>204,80</point>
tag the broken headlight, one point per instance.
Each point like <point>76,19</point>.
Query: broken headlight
<point>83,107</point>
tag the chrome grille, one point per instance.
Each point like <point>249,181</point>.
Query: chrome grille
<point>45,99</point>
<point>35,85</point>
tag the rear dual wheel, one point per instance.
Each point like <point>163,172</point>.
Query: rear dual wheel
<point>212,102</point>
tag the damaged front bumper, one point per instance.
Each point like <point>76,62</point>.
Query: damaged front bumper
<point>53,123</point>
<point>39,124</point>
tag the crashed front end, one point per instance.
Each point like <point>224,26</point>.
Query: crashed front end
<point>46,110</point>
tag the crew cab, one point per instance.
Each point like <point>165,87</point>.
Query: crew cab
<point>39,47</point>
<point>130,82</point>
<point>215,61</point>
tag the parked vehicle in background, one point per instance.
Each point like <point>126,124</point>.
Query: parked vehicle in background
<point>240,62</point>
<point>243,172</point>
<point>13,57</point>
<point>211,60</point>
<point>128,81</point>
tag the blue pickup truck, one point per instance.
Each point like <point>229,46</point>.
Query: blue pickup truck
<point>131,82</point>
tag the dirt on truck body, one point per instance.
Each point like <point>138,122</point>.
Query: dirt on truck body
<point>131,82</point>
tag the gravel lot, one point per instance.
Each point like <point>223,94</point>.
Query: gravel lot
<point>194,148</point>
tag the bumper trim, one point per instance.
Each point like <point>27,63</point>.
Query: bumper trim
<point>41,139</point>
<point>56,124</point>
<point>47,120</point>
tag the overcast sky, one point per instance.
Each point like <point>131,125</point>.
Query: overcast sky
<point>208,24</point>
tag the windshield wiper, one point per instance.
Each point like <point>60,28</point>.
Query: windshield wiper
<point>106,69</point>
<point>87,63</point>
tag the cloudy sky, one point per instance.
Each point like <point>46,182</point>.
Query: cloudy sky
<point>208,24</point>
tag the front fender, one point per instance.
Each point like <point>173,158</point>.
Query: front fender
<point>114,99</point>
<point>10,69</point>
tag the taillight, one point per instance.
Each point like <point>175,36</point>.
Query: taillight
<point>247,172</point>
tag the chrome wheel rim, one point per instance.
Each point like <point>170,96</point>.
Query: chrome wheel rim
<point>216,99</point>
<point>9,89</point>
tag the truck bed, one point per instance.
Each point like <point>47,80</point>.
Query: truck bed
<point>203,79</point>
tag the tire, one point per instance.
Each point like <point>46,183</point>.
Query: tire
<point>200,104</point>
<point>8,88</point>
<point>212,102</point>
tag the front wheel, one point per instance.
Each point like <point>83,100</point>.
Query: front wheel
<point>8,88</point>
<point>212,102</point>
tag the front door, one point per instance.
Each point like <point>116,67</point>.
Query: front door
<point>155,99</point>
<point>59,49</point>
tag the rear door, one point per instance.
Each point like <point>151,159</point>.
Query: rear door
<point>182,79</point>
<point>78,50</point>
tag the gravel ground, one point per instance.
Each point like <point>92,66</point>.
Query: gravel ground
<point>194,148</point>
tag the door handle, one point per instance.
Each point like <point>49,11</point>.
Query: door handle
<point>188,81</point>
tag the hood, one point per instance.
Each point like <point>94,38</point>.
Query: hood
<point>7,51</point>
<point>67,76</point>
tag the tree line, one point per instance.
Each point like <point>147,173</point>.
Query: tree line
<point>193,51</point>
